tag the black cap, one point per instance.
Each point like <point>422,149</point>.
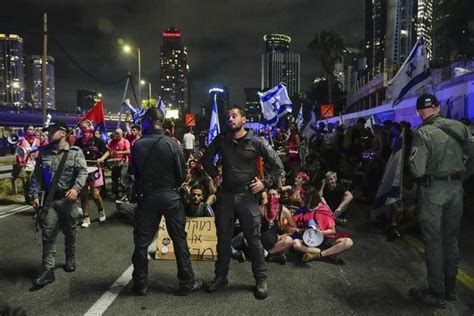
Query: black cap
<point>426,101</point>
<point>56,126</point>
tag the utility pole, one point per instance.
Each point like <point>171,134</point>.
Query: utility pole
<point>43,66</point>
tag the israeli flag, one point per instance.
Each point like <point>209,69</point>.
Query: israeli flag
<point>136,113</point>
<point>275,104</point>
<point>299,119</point>
<point>214,128</point>
<point>415,73</point>
<point>311,128</point>
<point>161,106</point>
<point>390,189</point>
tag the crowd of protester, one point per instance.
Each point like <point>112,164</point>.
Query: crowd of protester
<point>323,174</point>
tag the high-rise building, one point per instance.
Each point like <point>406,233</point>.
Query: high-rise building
<point>279,64</point>
<point>391,30</point>
<point>424,24</point>
<point>346,70</point>
<point>34,79</point>
<point>174,72</point>
<point>223,102</point>
<point>12,78</point>
<point>252,104</point>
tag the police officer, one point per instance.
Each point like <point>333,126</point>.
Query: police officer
<point>62,211</point>
<point>436,160</point>
<point>159,169</point>
<point>239,149</point>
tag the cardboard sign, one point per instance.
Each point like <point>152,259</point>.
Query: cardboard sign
<point>327,110</point>
<point>202,239</point>
<point>189,119</point>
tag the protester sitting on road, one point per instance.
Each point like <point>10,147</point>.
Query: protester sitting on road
<point>336,197</point>
<point>196,207</point>
<point>296,197</point>
<point>276,242</point>
<point>199,177</point>
<point>331,245</point>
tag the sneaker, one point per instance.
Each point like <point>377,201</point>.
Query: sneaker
<point>86,222</point>
<point>425,296</point>
<point>102,216</point>
<point>308,256</point>
<point>45,277</point>
<point>261,290</point>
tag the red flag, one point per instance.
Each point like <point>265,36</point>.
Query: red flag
<point>96,114</point>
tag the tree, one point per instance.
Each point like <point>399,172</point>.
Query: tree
<point>328,47</point>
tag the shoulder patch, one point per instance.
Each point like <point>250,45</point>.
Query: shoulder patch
<point>413,152</point>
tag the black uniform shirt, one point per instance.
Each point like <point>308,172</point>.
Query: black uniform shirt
<point>164,167</point>
<point>239,159</point>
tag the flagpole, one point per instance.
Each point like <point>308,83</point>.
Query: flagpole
<point>401,168</point>
<point>123,99</point>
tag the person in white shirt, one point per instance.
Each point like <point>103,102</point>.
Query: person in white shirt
<point>188,140</point>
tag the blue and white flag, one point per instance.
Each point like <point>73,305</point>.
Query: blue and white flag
<point>415,73</point>
<point>275,103</point>
<point>311,128</point>
<point>390,189</point>
<point>161,106</point>
<point>136,112</point>
<point>299,119</point>
<point>214,128</point>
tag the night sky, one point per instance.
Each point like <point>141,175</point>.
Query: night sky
<point>224,39</point>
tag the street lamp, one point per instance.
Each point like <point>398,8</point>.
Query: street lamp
<point>143,82</point>
<point>128,49</point>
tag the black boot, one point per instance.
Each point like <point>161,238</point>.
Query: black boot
<point>198,283</point>
<point>425,296</point>
<point>261,290</point>
<point>70,264</point>
<point>280,258</point>
<point>140,289</point>
<point>450,288</point>
<point>216,284</point>
<point>45,277</point>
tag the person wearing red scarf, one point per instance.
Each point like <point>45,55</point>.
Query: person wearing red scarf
<point>25,164</point>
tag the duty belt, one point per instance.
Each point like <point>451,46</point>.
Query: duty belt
<point>455,176</point>
<point>236,189</point>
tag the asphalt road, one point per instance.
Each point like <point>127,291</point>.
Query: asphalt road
<point>374,280</point>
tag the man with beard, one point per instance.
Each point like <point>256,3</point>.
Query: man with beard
<point>240,149</point>
<point>95,151</point>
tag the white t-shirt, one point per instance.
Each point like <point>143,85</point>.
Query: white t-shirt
<point>188,140</point>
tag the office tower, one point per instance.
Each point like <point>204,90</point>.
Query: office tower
<point>34,79</point>
<point>279,64</point>
<point>252,104</point>
<point>175,74</point>
<point>12,79</point>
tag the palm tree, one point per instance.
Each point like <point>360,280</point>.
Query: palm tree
<point>328,47</point>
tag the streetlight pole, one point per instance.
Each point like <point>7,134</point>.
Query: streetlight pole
<point>44,78</point>
<point>139,78</point>
<point>149,90</point>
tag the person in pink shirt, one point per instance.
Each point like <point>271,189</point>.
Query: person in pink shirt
<point>26,161</point>
<point>119,148</point>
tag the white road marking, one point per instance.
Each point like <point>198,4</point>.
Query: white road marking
<point>112,293</point>
<point>16,210</point>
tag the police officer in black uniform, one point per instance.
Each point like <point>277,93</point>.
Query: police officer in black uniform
<point>159,169</point>
<point>239,149</point>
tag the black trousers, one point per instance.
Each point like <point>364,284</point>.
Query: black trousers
<point>243,206</point>
<point>147,219</point>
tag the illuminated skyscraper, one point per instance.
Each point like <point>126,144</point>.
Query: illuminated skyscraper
<point>252,104</point>
<point>34,81</point>
<point>12,77</point>
<point>279,64</point>
<point>174,72</point>
<point>223,102</point>
<point>424,24</point>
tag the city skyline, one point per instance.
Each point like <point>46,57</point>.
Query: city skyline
<point>224,42</point>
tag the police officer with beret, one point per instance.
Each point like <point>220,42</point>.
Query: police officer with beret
<point>63,209</point>
<point>239,149</point>
<point>159,169</point>
<point>436,160</point>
